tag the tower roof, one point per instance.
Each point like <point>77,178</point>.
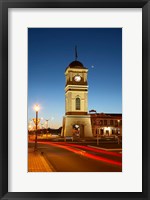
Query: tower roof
<point>76,65</point>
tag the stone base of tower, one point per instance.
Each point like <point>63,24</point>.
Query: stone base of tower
<point>83,121</point>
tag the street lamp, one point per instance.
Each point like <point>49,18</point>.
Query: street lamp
<point>36,108</point>
<point>47,123</point>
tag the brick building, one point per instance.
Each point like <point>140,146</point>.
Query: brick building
<point>106,124</point>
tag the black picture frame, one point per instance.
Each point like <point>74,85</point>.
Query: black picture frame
<point>4,123</point>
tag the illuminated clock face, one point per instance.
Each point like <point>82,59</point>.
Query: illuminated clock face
<point>77,78</point>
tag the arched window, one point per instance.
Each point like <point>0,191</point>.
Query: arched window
<point>77,103</point>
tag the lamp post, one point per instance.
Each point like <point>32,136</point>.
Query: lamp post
<point>36,108</point>
<point>118,131</point>
<point>46,123</point>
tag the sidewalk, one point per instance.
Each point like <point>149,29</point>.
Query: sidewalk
<point>36,162</point>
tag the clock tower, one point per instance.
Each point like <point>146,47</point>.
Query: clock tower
<point>76,120</point>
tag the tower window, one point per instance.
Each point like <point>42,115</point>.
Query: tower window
<point>77,103</point>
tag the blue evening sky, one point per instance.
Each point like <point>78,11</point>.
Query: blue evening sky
<point>50,50</point>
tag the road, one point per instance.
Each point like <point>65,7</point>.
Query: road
<point>65,157</point>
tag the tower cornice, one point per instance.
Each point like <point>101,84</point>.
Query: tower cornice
<point>75,70</point>
<point>76,86</point>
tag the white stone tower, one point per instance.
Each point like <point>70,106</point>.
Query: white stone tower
<point>76,101</point>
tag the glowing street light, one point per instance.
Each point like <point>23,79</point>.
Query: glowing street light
<point>36,108</point>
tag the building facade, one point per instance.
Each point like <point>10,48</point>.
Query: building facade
<point>106,124</point>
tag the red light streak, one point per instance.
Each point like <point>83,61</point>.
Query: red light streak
<point>88,155</point>
<point>93,149</point>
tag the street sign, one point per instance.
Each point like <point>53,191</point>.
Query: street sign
<point>38,121</point>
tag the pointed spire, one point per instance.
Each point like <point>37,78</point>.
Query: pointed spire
<point>76,55</point>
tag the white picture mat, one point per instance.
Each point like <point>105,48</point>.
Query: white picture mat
<point>130,180</point>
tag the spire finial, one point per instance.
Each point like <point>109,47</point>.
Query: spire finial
<point>76,55</point>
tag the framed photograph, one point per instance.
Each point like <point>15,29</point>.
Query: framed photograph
<point>74,99</point>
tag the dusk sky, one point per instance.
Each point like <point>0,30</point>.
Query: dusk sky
<point>51,50</point>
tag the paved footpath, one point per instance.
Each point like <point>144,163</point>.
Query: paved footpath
<point>36,162</point>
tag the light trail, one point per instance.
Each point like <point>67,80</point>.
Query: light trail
<point>88,155</point>
<point>92,149</point>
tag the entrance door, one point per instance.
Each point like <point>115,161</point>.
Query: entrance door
<point>102,132</point>
<point>81,131</point>
<point>107,132</point>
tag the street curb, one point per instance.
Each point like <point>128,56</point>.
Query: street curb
<point>48,162</point>
<point>104,148</point>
